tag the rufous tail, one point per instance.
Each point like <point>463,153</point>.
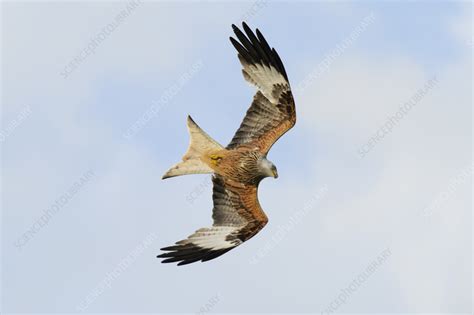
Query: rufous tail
<point>200,145</point>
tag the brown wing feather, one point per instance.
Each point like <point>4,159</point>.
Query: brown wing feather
<point>243,198</point>
<point>237,217</point>
<point>272,112</point>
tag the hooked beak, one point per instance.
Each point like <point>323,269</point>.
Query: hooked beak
<point>275,173</point>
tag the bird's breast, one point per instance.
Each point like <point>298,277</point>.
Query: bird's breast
<point>240,166</point>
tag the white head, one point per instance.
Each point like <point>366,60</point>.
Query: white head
<point>267,168</point>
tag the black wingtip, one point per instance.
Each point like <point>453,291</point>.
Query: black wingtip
<point>255,49</point>
<point>170,248</point>
<point>246,28</point>
<point>189,253</point>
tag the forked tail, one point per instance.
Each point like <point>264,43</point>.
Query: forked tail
<point>200,145</point>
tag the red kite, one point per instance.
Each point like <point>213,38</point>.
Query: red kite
<point>238,168</point>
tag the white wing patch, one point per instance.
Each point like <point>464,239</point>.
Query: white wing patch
<point>213,238</point>
<point>264,78</point>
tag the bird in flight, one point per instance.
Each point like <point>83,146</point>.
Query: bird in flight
<point>238,168</point>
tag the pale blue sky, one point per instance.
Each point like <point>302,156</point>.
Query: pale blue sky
<point>372,203</point>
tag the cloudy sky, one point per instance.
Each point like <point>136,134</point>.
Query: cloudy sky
<point>372,209</point>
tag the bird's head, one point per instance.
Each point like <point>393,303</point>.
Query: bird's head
<point>267,168</point>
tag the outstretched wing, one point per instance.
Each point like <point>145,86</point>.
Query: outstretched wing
<point>237,217</point>
<point>272,112</point>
